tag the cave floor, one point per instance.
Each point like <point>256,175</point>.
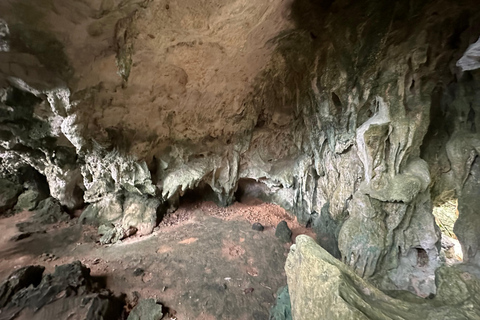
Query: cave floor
<point>202,262</point>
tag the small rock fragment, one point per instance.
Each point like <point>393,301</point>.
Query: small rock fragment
<point>48,257</point>
<point>248,290</point>
<point>110,233</point>
<point>283,232</point>
<point>146,309</point>
<point>138,272</point>
<point>136,295</point>
<point>147,277</point>
<point>130,232</point>
<point>258,226</point>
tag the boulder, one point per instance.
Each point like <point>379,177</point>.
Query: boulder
<point>68,293</point>
<point>28,200</point>
<point>283,232</point>
<point>140,212</point>
<point>322,287</point>
<point>9,192</point>
<point>122,216</point>
<point>20,279</point>
<point>49,211</point>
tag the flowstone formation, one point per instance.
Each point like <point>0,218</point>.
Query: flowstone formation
<point>355,116</point>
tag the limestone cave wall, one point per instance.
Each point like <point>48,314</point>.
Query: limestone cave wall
<point>355,116</point>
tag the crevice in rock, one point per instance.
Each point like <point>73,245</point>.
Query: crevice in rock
<point>422,258</point>
<point>250,189</point>
<point>202,192</point>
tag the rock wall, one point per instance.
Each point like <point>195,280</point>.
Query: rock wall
<point>353,113</point>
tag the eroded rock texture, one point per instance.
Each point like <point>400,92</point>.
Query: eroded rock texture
<point>68,293</point>
<point>357,114</point>
<point>321,287</point>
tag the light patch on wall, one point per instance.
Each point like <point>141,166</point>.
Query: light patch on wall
<point>446,215</point>
<point>4,34</point>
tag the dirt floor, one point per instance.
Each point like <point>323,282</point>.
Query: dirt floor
<point>202,261</point>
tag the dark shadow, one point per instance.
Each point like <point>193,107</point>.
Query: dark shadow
<point>422,257</point>
<point>99,281</point>
<point>251,192</point>
<point>202,192</point>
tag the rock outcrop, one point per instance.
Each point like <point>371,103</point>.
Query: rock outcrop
<point>321,287</point>
<point>68,293</point>
<point>9,193</point>
<point>359,114</point>
<point>18,280</point>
